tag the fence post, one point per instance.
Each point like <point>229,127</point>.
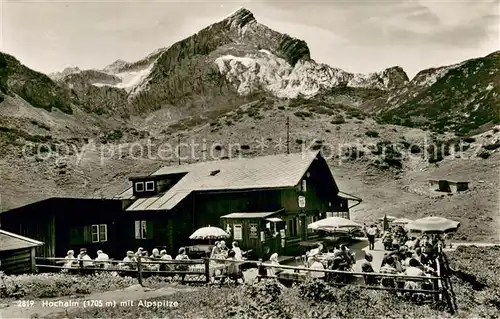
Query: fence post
<point>207,269</point>
<point>80,263</point>
<point>260,270</point>
<point>139,270</point>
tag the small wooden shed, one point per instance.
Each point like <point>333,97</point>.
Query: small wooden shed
<point>448,186</point>
<point>17,253</point>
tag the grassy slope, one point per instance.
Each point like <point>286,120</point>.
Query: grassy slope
<point>464,99</point>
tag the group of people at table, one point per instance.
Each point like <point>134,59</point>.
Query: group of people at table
<point>339,258</point>
<point>219,252</point>
<point>128,263</point>
<point>405,255</point>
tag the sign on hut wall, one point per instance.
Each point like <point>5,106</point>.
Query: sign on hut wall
<point>302,201</point>
<point>253,231</point>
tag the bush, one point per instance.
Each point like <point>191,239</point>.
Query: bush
<point>57,285</point>
<point>491,147</point>
<point>317,291</point>
<point>469,140</point>
<point>371,134</point>
<point>269,299</point>
<point>338,119</point>
<point>389,153</point>
<point>484,155</point>
<point>302,114</point>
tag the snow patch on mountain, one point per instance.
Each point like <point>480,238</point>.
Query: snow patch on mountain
<point>129,80</point>
<point>274,74</point>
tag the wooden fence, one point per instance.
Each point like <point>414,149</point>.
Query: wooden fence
<point>436,290</point>
<point>203,270</point>
<point>197,270</point>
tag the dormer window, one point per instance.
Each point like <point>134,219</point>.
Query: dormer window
<point>150,186</point>
<point>139,187</point>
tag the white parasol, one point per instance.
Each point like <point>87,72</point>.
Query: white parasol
<point>401,221</point>
<point>333,223</point>
<point>209,233</point>
<point>433,224</point>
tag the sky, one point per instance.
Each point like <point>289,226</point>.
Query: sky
<point>356,35</point>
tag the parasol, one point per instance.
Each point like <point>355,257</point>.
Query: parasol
<point>332,223</point>
<point>401,221</point>
<point>209,233</point>
<point>389,218</point>
<point>433,224</point>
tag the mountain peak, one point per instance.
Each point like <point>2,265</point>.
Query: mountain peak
<point>240,17</point>
<point>115,66</point>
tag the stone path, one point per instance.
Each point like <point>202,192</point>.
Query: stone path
<point>377,253</point>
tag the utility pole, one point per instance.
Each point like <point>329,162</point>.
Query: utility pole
<point>179,148</point>
<point>288,135</point>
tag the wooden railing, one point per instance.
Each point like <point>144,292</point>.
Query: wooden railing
<point>436,280</point>
<point>204,269</point>
<point>197,270</point>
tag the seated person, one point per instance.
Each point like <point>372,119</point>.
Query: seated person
<point>397,263</point>
<point>85,259</point>
<point>129,262</point>
<point>419,256</point>
<point>102,259</point>
<point>69,261</point>
<point>410,243</point>
<point>182,256</point>
<point>273,260</point>
<point>237,251</point>
<point>233,269</point>
<point>413,270</point>
<point>223,248</point>
<point>165,257</point>
<point>406,261</point>
<point>347,255</point>
<point>316,264</point>
<point>216,251</point>
<point>313,252</point>
<point>389,268</point>
<point>366,266</point>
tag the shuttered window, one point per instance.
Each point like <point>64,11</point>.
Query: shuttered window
<point>88,234</point>
<point>103,233</point>
<point>95,233</point>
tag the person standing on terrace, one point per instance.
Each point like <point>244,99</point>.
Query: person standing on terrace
<point>371,233</point>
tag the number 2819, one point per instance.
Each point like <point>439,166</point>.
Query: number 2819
<point>25,303</point>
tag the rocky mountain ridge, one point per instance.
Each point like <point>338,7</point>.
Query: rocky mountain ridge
<point>237,59</point>
<point>236,55</point>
